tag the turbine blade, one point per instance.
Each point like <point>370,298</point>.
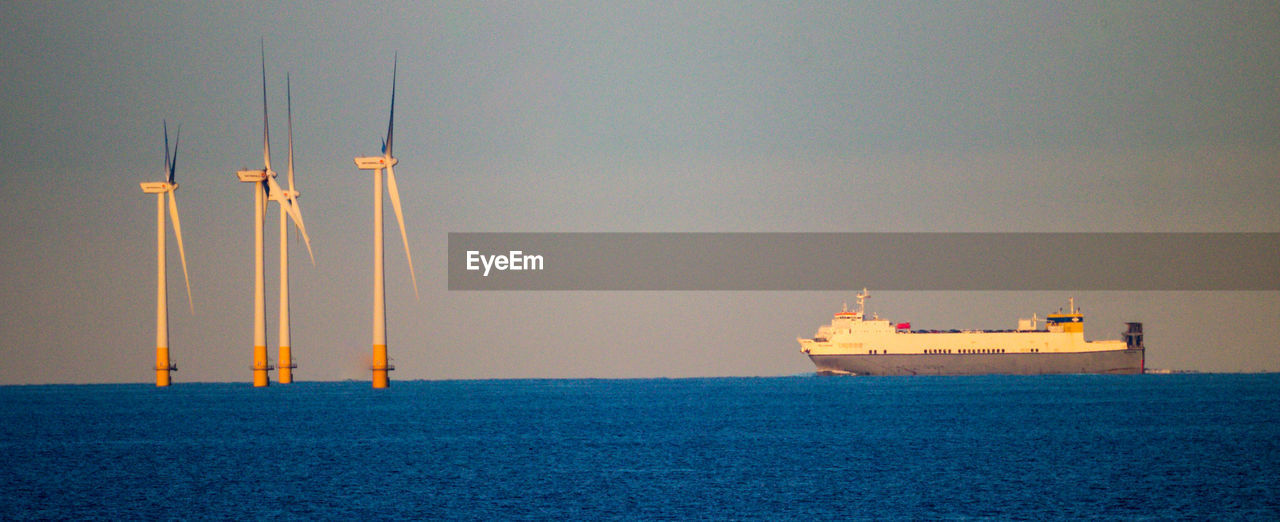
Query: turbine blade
<point>391,123</point>
<point>302,228</point>
<point>291,206</point>
<point>295,208</point>
<point>173,165</point>
<point>395,204</point>
<point>289,101</point>
<point>177,230</point>
<point>166,147</point>
<point>266,131</point>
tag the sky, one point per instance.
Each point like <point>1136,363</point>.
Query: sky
<point>612,117</point>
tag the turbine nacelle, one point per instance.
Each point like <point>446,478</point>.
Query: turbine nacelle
<point>375,162</point>
<point>284,195</point>
<point>254,176</point>
<point>158,187</point>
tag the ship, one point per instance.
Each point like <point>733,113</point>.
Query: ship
<point>857,345</point>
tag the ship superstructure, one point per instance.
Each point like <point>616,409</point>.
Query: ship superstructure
<point>855,344</point>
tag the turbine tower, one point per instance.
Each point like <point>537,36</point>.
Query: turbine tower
<point>264,188</point>
<point>386,161</point>
<point>288,200</point>
<point>160,188</point>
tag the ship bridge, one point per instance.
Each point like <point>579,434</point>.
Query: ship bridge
<point>1071,321</point>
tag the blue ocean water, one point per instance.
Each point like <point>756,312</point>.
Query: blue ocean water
<point>1083,446</point>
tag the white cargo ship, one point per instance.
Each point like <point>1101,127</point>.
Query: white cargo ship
<point>857,345</point>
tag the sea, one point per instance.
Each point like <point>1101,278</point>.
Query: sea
<point>1141,447</point>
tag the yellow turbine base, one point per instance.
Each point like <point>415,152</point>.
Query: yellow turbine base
<point>286,366</point>
<point>380,377</point>
<point>162,366</point>
<point>261,367</point>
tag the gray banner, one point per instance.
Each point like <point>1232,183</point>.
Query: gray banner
<point>848,261</point>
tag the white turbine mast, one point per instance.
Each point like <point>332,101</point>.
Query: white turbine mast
<point>265,188</point>
<point>289,208</point>
<point>163,365</point>
<point>386,161</point>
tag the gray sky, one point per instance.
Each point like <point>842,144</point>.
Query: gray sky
<point>612,117</point>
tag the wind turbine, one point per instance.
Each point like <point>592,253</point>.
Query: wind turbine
<point>288,200</point>
<point>160,188</point>
<point>264,185</point>
<point>386,161</point>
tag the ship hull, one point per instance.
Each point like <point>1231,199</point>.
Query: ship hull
<point>1127,361</point>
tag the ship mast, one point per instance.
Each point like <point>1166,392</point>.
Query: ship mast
<point>862,302</point>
